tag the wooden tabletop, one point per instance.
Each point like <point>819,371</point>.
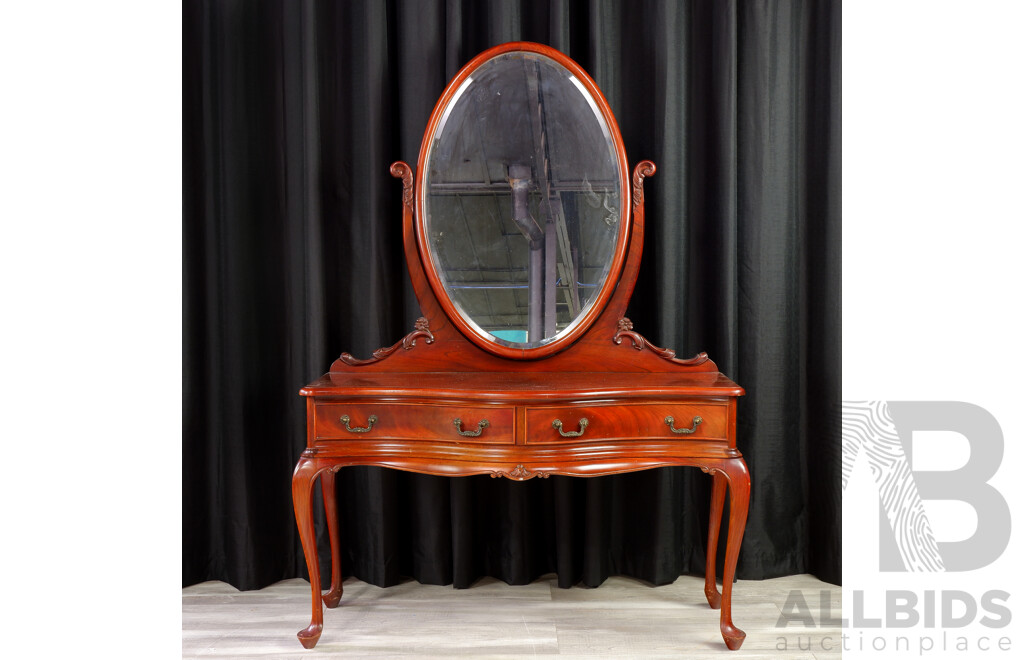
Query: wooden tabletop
<point>533,385</point>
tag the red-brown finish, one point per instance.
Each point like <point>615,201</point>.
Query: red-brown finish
<point>715,522</point>
<point>332,597</point>
<point>415,421</point>
<point>624,385</point>
<point>627,421</point>
<point>570,335</point>
<point>303,479</point>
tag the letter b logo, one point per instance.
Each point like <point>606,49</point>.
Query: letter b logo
<point>883,431</point>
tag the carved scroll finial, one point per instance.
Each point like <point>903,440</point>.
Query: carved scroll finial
<point>422,329</point>
<point>643,169</point>
<point>640,343</point>
<point>401,170</point>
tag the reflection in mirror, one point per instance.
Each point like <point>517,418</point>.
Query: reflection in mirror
<point>521,199</point>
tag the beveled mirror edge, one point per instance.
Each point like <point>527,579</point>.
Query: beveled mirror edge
<point>581,324</point>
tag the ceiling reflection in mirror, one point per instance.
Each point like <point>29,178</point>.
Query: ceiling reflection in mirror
<point>521,199</point>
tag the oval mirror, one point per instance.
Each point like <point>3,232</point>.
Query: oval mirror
<point>522,205</point>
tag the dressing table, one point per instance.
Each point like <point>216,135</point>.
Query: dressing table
<point>523,232</point>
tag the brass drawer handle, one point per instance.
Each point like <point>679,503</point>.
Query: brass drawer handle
<point>371,420</point>
<point>472,434</point>
<point>696,422</point>
<point>570,434</point>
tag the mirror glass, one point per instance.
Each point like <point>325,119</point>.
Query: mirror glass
<point>521,199</point>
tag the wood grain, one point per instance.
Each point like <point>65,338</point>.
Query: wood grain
<point>396,421</point>
<point>627,421</point>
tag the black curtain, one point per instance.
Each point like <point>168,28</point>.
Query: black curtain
<point>293,111</point>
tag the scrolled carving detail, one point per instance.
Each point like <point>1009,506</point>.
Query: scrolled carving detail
<point>401,170</point>
<point>422,329</point>
<point>519,473</point>
<point>643,169</point>
<point>640,343</point>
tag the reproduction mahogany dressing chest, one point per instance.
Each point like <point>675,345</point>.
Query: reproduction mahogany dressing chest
<point>523,234</point>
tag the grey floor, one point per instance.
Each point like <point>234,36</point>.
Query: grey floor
<point>624,618</point>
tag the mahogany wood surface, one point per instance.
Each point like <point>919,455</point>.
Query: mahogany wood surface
<point>609,421</point>
<point>509,386</point>
<point>606,373</point>
<point>416,421</point>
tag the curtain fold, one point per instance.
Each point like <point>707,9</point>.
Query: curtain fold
<point>293,112</point>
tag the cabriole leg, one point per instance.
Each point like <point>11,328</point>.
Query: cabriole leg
<point>332,597</point>
<point>739,501</point>
<point>718,483</point>
<point>302,498</point>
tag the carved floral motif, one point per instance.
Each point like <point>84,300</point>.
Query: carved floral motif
<point>519,473</point>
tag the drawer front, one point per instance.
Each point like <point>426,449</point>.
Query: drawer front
<point>396,421</point>
<point>627,421</point>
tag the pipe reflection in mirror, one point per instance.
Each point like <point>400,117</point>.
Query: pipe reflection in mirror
<point>550,274</point>
<point>519,180</point>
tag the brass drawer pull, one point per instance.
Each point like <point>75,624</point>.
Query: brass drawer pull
<point>671,420</point>
<point>371,420</point>
<point>472,434</point>
<point>570,434</point>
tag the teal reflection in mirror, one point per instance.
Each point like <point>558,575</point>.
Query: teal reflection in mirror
<point>521,199</point>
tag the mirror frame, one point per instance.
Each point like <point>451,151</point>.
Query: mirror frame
<point>581,324</point>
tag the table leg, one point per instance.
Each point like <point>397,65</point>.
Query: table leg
<point>739,500</point>
<point>718,482</point>
<point>332,597</point>
<point>302,498</point>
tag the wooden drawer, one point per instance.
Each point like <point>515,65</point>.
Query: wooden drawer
<point>625,421</point>
<point>396,421</point>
